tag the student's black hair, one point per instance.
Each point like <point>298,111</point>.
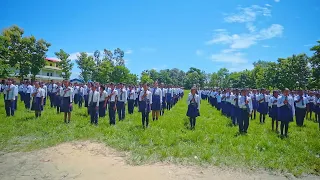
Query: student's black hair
<point>102,87</point>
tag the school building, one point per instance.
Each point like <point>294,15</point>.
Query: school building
<point>51,71</point>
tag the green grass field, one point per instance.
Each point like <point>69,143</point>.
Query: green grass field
<point>168,139</point>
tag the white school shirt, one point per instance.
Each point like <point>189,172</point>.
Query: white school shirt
<point>20,88</point>
<point>242,103</point>
<point>132,94</point>
<point>122,97</point>
<point>39,91</point>
<point>232,97</point>
<point>170,91</point>
<point>272,99</point>
<point>103,96</point>
<point>95,98</point>
<point>228,97</point>
<point>85,90</point>
<point>29,89</point>
<point>68,92</point>
<point>45,90</point>
<point>196,98</point>
<point>290,102</point>
<point>260,97</point>
<point>158,92</point>
<point>149,96</point>
<point>164,92</point>
<point>113,96</point>
<point>299,104</point>
<point>59,90</point>
<point>54,88</point>
<point>16,88</point>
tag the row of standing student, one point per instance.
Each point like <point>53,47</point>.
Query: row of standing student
<point>279,106</point>
<point>97,99</point>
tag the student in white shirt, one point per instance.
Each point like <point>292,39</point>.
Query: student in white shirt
<point>193,102</point>
<point>245,105</point>
<point>44,88</point>
<point>156,101</point>
<point>93,101</point>
<point>66,97</point>
<point>273,114</point>
<point>164,94</point>
<point>9,98</point>
<point>57,97</point>
<point>131,99</point>
<point>121,102</point>
<point>81,95</point>
<point>145,101</point>
<point>286,112</point>
<point>37,99</point>
<point>301,104</point>
<point>112,98</point>
<point>16,92</point>
<point>27,98</point>
<point>103,101</point>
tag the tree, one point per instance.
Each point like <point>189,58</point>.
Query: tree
<point>315,64</point>
<point>154,75</point>
<point>145,78</point>
<point>96,55</point>
<point>164,76</point>
<point>38,54</point>
<point>213,80</point>
<point>118,57</point>
<point>103,74</point>
<point>4,57</point>
<point>223,77</point>
<point>65,64</point>
<point>86,65</point>
<point>192,79</point>
<point>132,79</point>
<point>119,74</point>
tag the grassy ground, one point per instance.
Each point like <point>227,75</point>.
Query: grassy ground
<point>212,143</point>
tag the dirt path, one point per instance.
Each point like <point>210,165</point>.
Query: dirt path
<point>93,161</point>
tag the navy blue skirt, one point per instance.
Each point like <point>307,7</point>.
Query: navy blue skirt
<point>169,97</point>
<point>273,113</point>
<point>65,106</point>
<point>263,108</point>
<point>164,105</point>
<point>285,114</point>
<point>156,105</point>
<point>193,111</point>
<point>255,104</point>
<point>102,109</point>
<point>144,107</point>
<point>36,104</point>
<point>57,100</point>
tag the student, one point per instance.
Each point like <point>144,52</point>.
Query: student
<point>66,98</point>
<point>86,90</point>
<point>310,104</point>
<point>59,92</point>
<point>52,92</point>
<point>9,98</point>
<point>156,101</point>
<point>20,91</point>
<point>93,101</point>
<point>27,98</point>
<point>16,92</point>
<point>263,106</point>
<point>234,106</point>
<point>317,109</point>
<point>37,99</point>
<point>300,102</point>
<point>103,99</point>
<point>131,99</point>
<point>169,97</point>
<point>255,103</point>
<point>45,90</point>
<point>193,102</point>
<point>245,105</point>
<point>285,112</point>
<point>164,98</point>
<point>81,95</point>
<point>76,93</point>
<point>112,99</point>
<point>273,114</point>
<point>121,102</point>
<point>145,101</point>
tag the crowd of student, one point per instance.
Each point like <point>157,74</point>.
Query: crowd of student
<point>283,106</point>
<point>96,97</point>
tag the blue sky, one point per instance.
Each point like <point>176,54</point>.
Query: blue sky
<point>206,34</point>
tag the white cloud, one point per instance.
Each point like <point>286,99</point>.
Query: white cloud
<point>268,5</point>
<point>243,41</point>
<point>251,27</point>
<point>129,51</point>
<point>247,14</point>
<point>126,61</point>
<point>276,0</point>
<point>148,49</point>
<point>308,45</point>
<point>199,52</point>
<point>265,46</point>
<point>229,57</point>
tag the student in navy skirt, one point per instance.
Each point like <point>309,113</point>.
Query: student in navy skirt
<point>57,97</point>
<point>263,106</point>
<point>164,94</point>
<point>66,98</point>
<point>102,101</point>
<point>193,107</point>
<point>156,101</point>
<point>317,109</point>
<point>285,112</point>
<point>273,113</point>
<point>145,101</point>
<point>37,100</point>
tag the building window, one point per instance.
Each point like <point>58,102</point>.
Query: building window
<point>50,74</point>
<point>47,74</point>
<point>50,64</point>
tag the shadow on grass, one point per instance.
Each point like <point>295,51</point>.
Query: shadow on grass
<point>25,118</point>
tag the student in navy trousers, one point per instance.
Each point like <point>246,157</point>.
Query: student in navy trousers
<point>273,114</point>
